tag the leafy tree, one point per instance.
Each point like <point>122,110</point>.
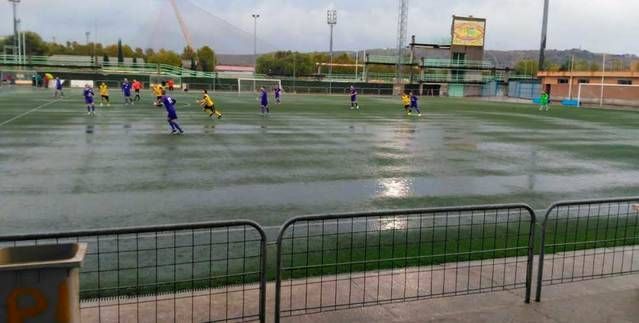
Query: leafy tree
<point>167,57</point>
<point>207,59</point>
<point>187,53</point>
<point>35,44</point>
<point>139,52</point>
<point>553,67</point>
<point>120,54</point>
<point>193,64</point>
<point>285,63</point>
<point>148,53</point>
<point>526,67</point>
<point>111,50</point>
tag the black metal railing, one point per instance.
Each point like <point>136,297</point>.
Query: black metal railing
<point>214,271</point>
<point>217,271</point>
<point>589,239</point>
<point>337,261</point>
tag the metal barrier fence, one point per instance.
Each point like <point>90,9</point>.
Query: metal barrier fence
<point>338,261</point>
<point>589,239</point>
<point>211,271</point>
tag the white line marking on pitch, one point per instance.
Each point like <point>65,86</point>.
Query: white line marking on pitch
<point>32,110</point>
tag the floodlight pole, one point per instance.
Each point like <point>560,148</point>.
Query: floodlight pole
<point>24,46</point>
<point>572,67</point>
<point>331,19</point>
<point>603,76</point>
<point>16,37</point>
<point>19,39</point>
<point>255,16</point>
<point>294,72</point>
<point>544,32</point>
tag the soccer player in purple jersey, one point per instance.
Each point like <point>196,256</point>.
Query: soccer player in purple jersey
<point>264,102</point>
<point>126,91</point>
<point>171,117</point>
<point>88,99</point>
<point>278,94</point>
<point>353,94</point>
<point>58,88</point>
<point>413,104</point>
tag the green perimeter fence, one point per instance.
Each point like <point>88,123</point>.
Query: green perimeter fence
<point>218,271</point>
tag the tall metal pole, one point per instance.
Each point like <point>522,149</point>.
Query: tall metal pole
<point>402,24</point>
<point>356,61</point>
<point>294,72</point>
<point>331,19</point>
<point>19,43</point>
<point>24,46</point>
<point>255,16</point>
<point>16,37</point>
<point>603,76</point>
<point>544,32</point>
<point>572,67</point>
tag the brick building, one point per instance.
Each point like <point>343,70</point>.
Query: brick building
<point>565,85</point>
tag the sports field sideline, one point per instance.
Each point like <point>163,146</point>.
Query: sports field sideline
<point>64,170</point>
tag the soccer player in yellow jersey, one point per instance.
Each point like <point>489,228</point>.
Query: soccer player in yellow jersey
<point>157,91</point>
<point>104,94</point>
<point>208,105</point>
<point>406,101</point>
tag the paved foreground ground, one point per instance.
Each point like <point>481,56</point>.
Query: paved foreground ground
<point>604,300</point>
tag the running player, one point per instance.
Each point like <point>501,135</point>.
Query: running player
<point>208,105</point>
<point>413,104</point>
<point>126,91</point>
<point>353,94</point>
<point>157,91</point>
<point>170,84</point>
<point>88,99</point>
<point>543,102</point>
<point>137,85</point>
<point>278,94</point>
<point>58,88</point>
<point>406,102</point>
<point>169,105</point>
<point>264,102</point>
<point>104,94</point>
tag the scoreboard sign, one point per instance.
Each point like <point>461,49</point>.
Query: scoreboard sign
<point>468,31</point>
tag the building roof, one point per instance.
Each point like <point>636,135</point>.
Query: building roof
<point>234,68</point>
<point>619,74</point>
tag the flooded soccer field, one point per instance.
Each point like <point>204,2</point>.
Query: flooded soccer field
<point>61,169</point>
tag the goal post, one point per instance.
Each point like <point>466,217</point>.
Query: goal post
<point>608,94</point>
<point>252,85</point>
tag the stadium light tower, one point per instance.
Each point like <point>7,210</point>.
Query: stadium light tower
<point>402,26</point>
<point>544,31</point>
<point>255,16</point>
<point>16,37</point>
<point>331,19</point>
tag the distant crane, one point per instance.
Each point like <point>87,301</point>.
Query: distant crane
<point>185,31</point>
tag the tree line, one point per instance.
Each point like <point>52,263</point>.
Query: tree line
<point>203,58</point>
<point>287,63</point>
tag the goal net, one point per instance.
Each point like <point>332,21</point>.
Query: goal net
<point>250,85</point>
<point>595,94</point>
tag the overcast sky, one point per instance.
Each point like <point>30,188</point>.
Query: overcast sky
<point>596,25</point>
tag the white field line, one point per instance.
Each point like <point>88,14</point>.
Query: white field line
<point>30,111</point>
